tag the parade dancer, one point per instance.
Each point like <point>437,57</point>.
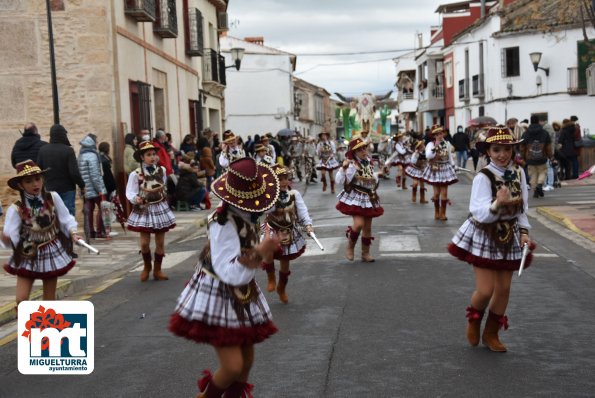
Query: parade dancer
<point>359,198</point>
<point>493,237</point>
<point>415,170</point>
<point>150,212</point>
<point>231,150</point>
<point>222,305</point>
<point>326,152</point>
<point>41,232</point>
<point>261,155</point>
<point>289,212</point>
<point>440,170</point>
<point>296,154</point>
<point>398,159</point>
<point>309,158</point>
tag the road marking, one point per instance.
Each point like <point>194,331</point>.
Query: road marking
<point>400,243</point>
<point>331,246</point>
<point>442,255</point>
<point>582,202</point>
<point>171,260</point>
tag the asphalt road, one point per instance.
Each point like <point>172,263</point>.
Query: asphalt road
<point>394,328</point>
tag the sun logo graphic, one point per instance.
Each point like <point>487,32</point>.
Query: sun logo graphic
<point>56,337</point>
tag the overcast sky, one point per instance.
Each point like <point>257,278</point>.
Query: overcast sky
<point>330,26</point>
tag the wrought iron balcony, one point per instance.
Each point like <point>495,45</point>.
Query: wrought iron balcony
<point>166,24</point>
<point>141,10</point>
<point>478,86</point>
<point>437,90</point>
<point>213,67</point>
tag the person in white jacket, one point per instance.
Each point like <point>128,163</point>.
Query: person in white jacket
<point>440,170</point>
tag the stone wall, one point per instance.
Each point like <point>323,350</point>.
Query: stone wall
<point>84,59</point>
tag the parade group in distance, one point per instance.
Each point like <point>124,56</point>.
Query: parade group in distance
<point>262,222</point>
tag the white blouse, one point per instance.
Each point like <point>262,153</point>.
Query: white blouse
<point>302,210</point>
<point>12,223</point>
<point>481,198</point>
<point>344,176</point>
<point>430,154</point>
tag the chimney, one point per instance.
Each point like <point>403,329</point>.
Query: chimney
<point>255,39</point>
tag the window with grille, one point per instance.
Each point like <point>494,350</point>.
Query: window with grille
<point>510,62</point>
<point>194,37</point>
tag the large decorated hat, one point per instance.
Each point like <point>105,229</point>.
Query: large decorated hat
<point>280,169</point>
<point>323,133</point>
<point>398,136</point>
<point>229,137</point>
<point>260,147</point>
<point>436,129</point>
<point>24,169</point>
<point>499,134</point>
<point>248,185</point>
<point>142,148</point>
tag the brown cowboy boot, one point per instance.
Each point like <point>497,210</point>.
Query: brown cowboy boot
<point>474,317</point>
<point>490,332</point>
<point>239,390</point>
<point>332,186</point>
<point>414,194</point>
<point>422,196</point>
<point>144,275</point>
<point>404,181</point>
<point>283,279</point>
<point>398,179</point>
<point>366,243</point>
<point>270,269</point>
<point>207,388</point>
<point>157,274</point>
<point>443,205</point>
<point>352,238</point>
<point>436,208</point>
<point>323,180</point>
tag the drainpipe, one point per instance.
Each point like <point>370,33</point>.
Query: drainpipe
<point>483,8</point>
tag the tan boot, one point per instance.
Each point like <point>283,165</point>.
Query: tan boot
<point>157,274</point>
<point>436,208</point>
<point>366,243</point>
<point>398,179</point>
<point>490,332</point>
<point>283,279</point>
<point>352,238</point>
<point>332,186</point>
<point>323,180</point>
<point>414,194</point>
<point>404,181</point>
<point>474,318</point>
<point>270,269</point>
<point>443,204</point>
<point>144,275</point>
<point>422,196</point>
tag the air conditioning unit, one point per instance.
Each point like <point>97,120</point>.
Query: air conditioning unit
<point>222,21</point>
<point>591,79</point>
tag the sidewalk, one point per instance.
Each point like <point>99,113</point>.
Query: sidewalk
<point>579,218</point>
<point>117,257</point>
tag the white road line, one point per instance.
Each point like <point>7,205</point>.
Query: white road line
<point>582,202</point>
<point>172,259</point>
<point>443,255</point>
<point>400,243</point>
<point>331,246</point>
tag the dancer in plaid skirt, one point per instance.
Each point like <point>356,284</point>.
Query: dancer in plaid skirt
<point>289,211</point>
<point>222,305</point>
<point>327,153</point>
<point>231,150</point>
<point>440,171</point>
<point>401,158</point>
<point>40,230</point>
<point>415,170</point>
<point>359,198</point>
<point>493,237</point>
<point>150,212</point>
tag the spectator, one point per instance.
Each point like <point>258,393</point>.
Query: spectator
<point>95,192</point>
<point>63,175</point>
<point>189,189</point>
<point>567,151</point>
<point>130,164</point>
<point>513,125</point>
<point>106,166</point>
<point>251,145</point>
<point>578,144</point>
<point>247,144</point>
<point>207,164</point>
<point>549,181</point>
<point>462,146</point>
<point>536,149</point>
<point>205,139</point>
<point>28,146</point>
<point>164,159</point>
<point>188,144</point>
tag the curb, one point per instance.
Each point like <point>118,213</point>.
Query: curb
<point>564,221</point>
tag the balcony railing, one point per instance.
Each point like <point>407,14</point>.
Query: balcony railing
<point>464,89</point>
<point>166,24</point>
<point>574,82</point>
<point>436,90</point>
<point>477,85</point>
<point>194,44</point>
<point>213,66</point>
<point>407,95</point>
<point>141,10</point>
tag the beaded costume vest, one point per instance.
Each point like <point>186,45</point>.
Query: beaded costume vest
<point>285,213</point>
<point>151,188</point>
<point>233,155</point>
<point>326,151</point>
<point>512,180</point>
<point>441,152</point>
<point>364,176</point>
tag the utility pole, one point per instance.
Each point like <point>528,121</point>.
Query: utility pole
<point>53,64</point>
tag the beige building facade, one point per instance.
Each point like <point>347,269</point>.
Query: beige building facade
<point>122,66</point>
<point>313,110</point>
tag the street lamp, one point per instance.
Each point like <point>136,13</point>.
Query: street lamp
<point>53,64</point>
<point>535,58</point>
<point>237,54</point>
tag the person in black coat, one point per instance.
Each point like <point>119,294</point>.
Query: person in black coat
<point>106,166</point>
<point>28,146</point>
<point>63,175</point>
<point>189,189</point>
<point>462,146</point>
<point>567,152</point>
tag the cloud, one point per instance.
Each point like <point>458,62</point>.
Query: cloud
<point>331,26</point>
